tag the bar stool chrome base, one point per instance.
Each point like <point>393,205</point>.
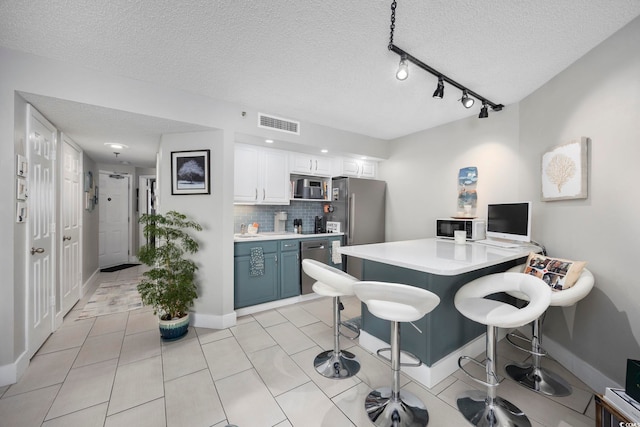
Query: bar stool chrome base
<point>406,411</point>
<point>336,365</point>
<point>539,379</point>
<point>475,408</point>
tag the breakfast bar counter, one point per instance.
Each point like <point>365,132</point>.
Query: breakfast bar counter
<point>442,267</point>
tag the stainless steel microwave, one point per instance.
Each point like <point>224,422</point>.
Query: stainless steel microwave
<point>474,227</point>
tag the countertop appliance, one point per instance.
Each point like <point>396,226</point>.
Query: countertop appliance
<point>474,227</point>
<point>317,249</point>
<point>308,189</point>
<point>359,206</point>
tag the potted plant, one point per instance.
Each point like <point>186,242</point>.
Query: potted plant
<point>169,285</point>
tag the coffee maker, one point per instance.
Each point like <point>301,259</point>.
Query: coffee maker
<point>320,225</point>
<point>279,221</point>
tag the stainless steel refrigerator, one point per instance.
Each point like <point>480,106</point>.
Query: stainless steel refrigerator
<point>359,205</point>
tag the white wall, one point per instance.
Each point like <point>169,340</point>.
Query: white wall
<point>598,97</point>
<point>422,171</point>
<point>214,306</point>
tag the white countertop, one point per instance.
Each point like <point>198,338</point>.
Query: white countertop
<point>273,235</point>
<point>437,256</point>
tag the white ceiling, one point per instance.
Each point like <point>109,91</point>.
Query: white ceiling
<point>323,61</point>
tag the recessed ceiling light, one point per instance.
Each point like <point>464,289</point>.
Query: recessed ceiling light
<point>363,158</point>
<point>115,145</point>
<point>269,141</point>
<point>324,150</point>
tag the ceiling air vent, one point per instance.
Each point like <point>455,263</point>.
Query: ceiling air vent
<point>279,124</point>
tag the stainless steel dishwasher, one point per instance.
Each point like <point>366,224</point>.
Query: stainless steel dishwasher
<point>313,249</point>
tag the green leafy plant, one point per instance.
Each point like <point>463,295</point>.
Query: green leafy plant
<point>169,286</point>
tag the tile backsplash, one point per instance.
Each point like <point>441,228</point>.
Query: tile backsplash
<point>264,215</point>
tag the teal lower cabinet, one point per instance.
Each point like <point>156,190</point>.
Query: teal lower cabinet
<point>280,277</point>
<point>289,268</point>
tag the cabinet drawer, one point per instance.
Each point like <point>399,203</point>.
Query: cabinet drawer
<point>289,245</point>
<point>244,248</point>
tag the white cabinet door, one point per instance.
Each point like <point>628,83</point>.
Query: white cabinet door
<point>307,164</point>
<point>368,169</point>
<point>275,178</point>
<point>301,163</point>
<point>260,176</point>
<point>358,168</point>
<point>245,175</point>
<point>322,166</point>
<point>350,167</point>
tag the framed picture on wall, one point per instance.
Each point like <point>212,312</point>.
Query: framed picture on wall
<point>21,165</point>
<point>190,172</point>
<point>564,171</point>
<point>21,189</point>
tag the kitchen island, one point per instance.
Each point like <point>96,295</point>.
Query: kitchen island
<point>442,267</point>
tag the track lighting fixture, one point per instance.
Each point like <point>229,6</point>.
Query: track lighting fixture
<point>439,92</point>
<point>466,100</point>
<point>403,68</point>
<point>403,73</point>
<point>484,113</point>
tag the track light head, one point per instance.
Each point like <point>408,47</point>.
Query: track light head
<point>466,100</point>
<point>484,112</point>
<point>403,68</point>
<point>439,92</point>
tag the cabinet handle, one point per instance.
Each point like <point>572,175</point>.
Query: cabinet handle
<point>310,164</point>
<point>256,198</point>
<point>264,194</point>
<point>276,256</point>
<point>316,166</point>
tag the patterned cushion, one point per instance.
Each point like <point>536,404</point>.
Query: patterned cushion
<point>556,272</point>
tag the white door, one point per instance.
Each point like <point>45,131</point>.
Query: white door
<point>114,220</point>
<point>41,136</point>
<point>71,214</point>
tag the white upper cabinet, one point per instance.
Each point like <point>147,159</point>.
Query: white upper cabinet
<point>307,164</point>
<point>358,168</point>
<point>260,175</point>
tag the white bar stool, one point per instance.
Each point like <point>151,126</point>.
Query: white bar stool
<point>331,282</point>
<point>396,303</point>
<point>486,408</point>
<point>532,375</point>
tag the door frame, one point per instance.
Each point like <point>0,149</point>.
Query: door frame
<point>63,139</point>
<point>130,209</point>
<point>143,184</point>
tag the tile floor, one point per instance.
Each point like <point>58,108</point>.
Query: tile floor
<point>115,371</point>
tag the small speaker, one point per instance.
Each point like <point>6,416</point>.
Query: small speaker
<point>632,383</point>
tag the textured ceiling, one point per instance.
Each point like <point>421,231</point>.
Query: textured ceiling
<point>324,61</point>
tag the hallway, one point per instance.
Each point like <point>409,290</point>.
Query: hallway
<point>115,371</point>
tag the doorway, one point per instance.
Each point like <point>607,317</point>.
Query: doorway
<point>114,228</point>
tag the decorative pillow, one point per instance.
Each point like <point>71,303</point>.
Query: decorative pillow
<point>556,272</point>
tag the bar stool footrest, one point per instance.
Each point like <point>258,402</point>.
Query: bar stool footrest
<point>353,327</point>
<point>482,365</point>
<point>511,335</point>
<point>406,353</point>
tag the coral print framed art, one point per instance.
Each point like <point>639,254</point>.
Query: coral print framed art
<point>564,171</point>
<point>190,172</point>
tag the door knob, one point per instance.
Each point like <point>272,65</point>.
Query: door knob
<point>66,238</point>
<point>37,251</point>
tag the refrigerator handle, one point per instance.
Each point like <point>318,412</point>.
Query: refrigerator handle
<point>352,218</point>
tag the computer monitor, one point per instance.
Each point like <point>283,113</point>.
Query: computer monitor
<point>510,221</point>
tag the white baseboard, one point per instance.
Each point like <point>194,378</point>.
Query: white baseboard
<point>578,367</point>
<point>11,373</point>
<point>429,376</point>
<point>213,321</point>
<point>87,284</point>
<point>275,304</point>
